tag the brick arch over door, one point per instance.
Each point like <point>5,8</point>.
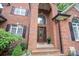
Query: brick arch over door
<point>53,8</point>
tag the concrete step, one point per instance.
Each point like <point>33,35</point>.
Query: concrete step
<point>44,49</point>
<point>46,52</point>
<point>45,46</point>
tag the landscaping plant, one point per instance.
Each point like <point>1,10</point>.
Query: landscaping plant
<point>6,39</point>
<point>17,51</point>
<point>10,43</point>
<point>48,40</point>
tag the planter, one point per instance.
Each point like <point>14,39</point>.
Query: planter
<point>48,40</point>
<point>1,53</point>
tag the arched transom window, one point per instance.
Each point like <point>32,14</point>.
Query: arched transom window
<point>41,20</point>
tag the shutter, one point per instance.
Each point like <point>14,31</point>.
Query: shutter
<point>7,27</point>
<point>24,32</point>
<point>71,31</point>
<point>27,13</point>
<point>12,10</point>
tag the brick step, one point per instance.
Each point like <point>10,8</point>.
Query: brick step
<point>45,52</point>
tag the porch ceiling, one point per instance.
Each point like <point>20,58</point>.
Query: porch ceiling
<point>44,7</point>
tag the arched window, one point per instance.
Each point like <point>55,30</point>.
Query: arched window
<point>41,20</point>
<point>75,26</point>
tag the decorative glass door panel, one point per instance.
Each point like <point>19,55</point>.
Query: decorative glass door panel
<point>41,34</point>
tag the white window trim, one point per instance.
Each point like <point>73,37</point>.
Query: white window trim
<point>17,27</point>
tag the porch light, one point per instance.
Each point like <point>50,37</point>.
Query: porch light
<point>2,19</point>
<point>61,17</point>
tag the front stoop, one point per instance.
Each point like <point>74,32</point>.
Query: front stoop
<point>44,50</point>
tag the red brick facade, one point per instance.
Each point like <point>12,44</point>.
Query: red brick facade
<point>31,24</point>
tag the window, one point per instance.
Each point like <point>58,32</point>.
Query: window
<point>16,29</point>
<point>41,20</point>
<point>75,26</point>
<point>20,11</point>
<point>1,7</point>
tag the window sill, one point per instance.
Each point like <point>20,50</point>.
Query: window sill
<point>76,40</point>
<point>18,15</point>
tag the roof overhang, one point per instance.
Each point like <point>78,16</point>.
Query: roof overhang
<point>61,17</point>
<point>5,4</point>
<point>2,19</point>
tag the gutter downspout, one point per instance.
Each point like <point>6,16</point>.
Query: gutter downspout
<point>29,24</point>
<point>60,37</point>
<point>58,22</point>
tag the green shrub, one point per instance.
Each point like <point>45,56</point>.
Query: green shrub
<point>17,51</point>
<point>24,46</point>
<point>7,38</point>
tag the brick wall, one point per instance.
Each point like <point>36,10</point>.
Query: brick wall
<point>65,31</point>
<point>52,27</point>
<point>14,19</point>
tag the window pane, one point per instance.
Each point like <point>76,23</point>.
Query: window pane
<point>20,31</point>
<point>75,32</point>
<point>23,11</point>
<point>13,29</point>
<point>78,24</point>
<point>74,24</point>
<point>17,11</point>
